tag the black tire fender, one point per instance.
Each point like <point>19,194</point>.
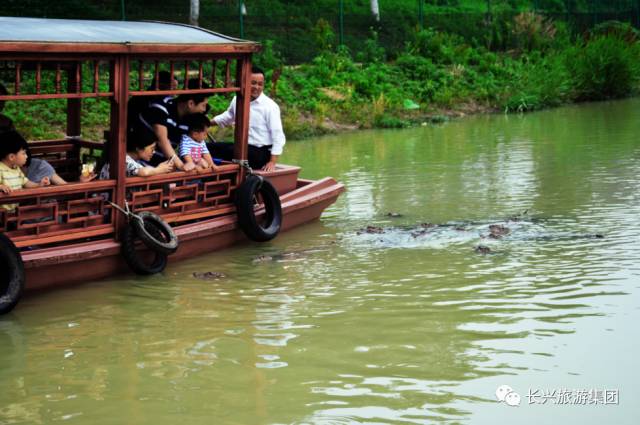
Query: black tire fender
<point>267,228</point>
<point>132,255</point>
<point>12,276</point>
<point>163,239</point>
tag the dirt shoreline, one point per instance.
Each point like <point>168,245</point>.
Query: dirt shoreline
<point>313,127</point>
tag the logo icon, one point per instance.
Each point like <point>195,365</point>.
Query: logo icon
<point>506,394</point>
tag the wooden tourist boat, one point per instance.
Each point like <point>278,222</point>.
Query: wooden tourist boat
<point>71,233</point>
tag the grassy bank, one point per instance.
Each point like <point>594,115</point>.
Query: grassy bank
<point>435,76</point>
<point>438,75</point>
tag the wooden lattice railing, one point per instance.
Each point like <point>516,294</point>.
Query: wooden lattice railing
<point>57,214</point>
<point>80,211</point>
<point>181,197</point>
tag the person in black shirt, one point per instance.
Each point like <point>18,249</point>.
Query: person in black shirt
<point>138,104</point>
<point>165,117</point>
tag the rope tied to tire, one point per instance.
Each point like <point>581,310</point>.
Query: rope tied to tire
<point>153,232</point>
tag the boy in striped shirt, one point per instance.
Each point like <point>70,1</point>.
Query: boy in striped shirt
<point>13,155</point>
<point>193,148</point>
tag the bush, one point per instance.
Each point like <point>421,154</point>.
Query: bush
<point>621,30</point>
<point>604,68</point>
<point>388,121</point>
<point>438,46</point>
<point>533,31</point>
<point>269,59</point>
<point>372,52</point>
<point>538,82</point>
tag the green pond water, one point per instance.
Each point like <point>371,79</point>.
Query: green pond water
<point>409,325</point>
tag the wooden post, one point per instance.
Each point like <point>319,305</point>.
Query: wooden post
<point>74,85</point>
<point>117,144</point>
<point>243,100</point>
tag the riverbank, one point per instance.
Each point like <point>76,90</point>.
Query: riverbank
<point>439,76</point>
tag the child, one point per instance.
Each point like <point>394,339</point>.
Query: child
<point>140,147</point>
<point>13,155</point>
<point>193,148</point>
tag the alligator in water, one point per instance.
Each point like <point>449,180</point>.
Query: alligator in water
<point>209,275</point>
<point>519,227</point>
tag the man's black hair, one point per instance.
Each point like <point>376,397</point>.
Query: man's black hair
<point>194,84</point>
<point>11,142</point>
<point>257,70</point>
<point>197,122</point>
<point>139,138</point>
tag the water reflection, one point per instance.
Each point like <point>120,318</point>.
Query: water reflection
<point>329,324</point>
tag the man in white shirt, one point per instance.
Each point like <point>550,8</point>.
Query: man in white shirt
<point>266,138</point>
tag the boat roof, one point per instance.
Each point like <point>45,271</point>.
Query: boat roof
<point>111,36</point>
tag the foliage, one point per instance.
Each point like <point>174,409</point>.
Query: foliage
<point>621,30</point>
<point>533,31</point>
<point>269,59</point>
<point>324,36</point>
<point>604,68</point>
<point>539,82</point>
<point>438,46</point>
<point>372,52</point>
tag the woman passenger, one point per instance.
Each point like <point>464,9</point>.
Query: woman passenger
<point>141,145</point>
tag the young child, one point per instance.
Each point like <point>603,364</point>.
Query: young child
<point>193,148</point>
<point>140,147</point>
<point>13,155</point>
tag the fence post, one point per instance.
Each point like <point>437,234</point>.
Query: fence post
<point>124,18</point>
<point>341,22</point>
<point>421,14</point>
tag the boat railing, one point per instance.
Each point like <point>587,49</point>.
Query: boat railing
<point>81,211</point>
<point>181,197</point>
<point>54,214</point>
